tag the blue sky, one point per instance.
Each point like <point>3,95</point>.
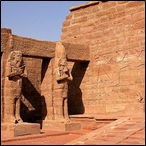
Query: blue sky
<point>40,20</point>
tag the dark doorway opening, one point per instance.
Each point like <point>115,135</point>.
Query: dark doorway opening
<point>75,102</point>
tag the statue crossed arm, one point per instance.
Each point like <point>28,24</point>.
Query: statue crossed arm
<point>63,71</point>
<point>15,72</point>
<point>16,65</point>
<point>62,77</point>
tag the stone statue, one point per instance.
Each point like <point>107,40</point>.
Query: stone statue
<point>63,77</point>
<point>15,72</point>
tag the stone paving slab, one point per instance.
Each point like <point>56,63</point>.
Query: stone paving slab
<point>113,133</point>
<point>98,131</point>
<point>48,137</point>
<point>35,136</point>
<point>109,134</point>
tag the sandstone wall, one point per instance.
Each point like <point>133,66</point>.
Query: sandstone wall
<point>34,51</point>
<point>113,81</point>
<point>105,48</point>
<point>37,88</point>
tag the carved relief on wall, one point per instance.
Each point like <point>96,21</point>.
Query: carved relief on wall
<point>122,68</point>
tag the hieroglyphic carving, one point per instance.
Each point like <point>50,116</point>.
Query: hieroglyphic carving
<point>122,63</point>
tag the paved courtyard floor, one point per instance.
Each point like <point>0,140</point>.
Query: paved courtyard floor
<point>123,131</point>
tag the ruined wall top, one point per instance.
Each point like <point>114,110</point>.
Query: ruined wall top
<point>39,48</point>
<point>80,6</point>
<point>6,30</point>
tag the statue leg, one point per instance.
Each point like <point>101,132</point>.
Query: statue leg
<point>11,111</point>
<point>58,105</point>
<point>17,110</point>
<point>59,110</point>
<point>66,116</point>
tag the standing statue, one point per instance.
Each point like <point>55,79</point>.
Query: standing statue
<point>62,78</point>
<point>15,69</point>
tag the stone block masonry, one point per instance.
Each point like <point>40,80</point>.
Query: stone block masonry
<point>105,49</point>
<point>42,49</point>
<point>37,88</point>
<point>114,79</point>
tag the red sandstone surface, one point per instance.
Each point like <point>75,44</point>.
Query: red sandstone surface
<point>105,44</point>
<point>125,130</point>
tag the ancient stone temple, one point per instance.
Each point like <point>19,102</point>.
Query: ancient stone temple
<point>96,69</point>
<point>113,81</point>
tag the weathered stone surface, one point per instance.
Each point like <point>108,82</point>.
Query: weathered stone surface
<point>15,72</point>
<point>26,129</point>
<point>72,126</point>
<point>37,48</point>
<point>127,132</point>
<point>64,126</point>
<point>21,129</point>
<point>62,77</point>
<point>83,5</point>
<point>120,131</point>
<point>114,32</point>
<point>34,47</point>
<point>72,49</point>
<point>6,34</point>
<point>108,34</point>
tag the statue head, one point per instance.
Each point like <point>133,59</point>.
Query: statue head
<point>15,55</point>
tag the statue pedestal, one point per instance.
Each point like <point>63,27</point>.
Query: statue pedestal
<point>63,126</point>
<point>9,130</point>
